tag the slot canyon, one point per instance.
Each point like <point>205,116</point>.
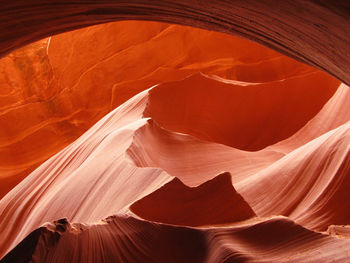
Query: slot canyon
<point>175,131</point>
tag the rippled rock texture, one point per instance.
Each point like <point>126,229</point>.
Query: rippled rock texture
<point>170,144</point>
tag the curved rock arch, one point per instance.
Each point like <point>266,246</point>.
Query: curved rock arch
<point>315,31</point>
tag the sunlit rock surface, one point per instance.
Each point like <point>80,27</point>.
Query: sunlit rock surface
<point>55,89</point>
<point>194,146</point>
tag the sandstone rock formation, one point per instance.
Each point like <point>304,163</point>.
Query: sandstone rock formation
<point>47,86</point>
<point>195,146</point>
<point>314,31</point>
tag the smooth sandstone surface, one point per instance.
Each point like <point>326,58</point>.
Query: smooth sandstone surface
<point>172,144</point>
<point>57,88</point>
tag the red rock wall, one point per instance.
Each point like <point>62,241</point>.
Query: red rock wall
<point>314,31</point>
<point>55,89</point>
<point>195,146</point>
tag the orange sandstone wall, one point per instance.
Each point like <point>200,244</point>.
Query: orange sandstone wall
<point>167,143</point>
<point>55,89</point>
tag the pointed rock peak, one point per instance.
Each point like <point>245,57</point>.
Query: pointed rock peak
<point>213,202</point>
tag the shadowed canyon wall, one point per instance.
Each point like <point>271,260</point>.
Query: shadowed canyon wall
<point>315,31</point>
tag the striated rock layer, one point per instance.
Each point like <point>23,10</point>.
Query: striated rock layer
<point>59,87</point>
<point>314,31</point>
<point>110,174</point>
<point>194,146</point>
<point>126,239</point>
